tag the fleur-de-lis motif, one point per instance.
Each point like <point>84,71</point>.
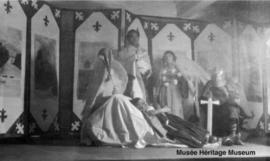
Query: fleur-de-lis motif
<point>3,115</point>
<point>211,37</point>
<point>97,26</point>
<point>46,21</point>
<point>171,36</point>
<point>8,7</point>
<point>79,16</point>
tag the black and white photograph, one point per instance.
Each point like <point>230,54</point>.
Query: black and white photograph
<point>84,80</point>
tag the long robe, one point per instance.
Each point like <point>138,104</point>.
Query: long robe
<point>172,87</point>
<point>108,118</point>
<point>118,122</point>
<point>137,63</point>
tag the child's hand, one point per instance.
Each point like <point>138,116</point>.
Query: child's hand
<point>151,112</point>
<point>116,90</point>
<point>166,109</point>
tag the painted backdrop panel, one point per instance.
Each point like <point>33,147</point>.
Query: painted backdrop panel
<point>12,67</point>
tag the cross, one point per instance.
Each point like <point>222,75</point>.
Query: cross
<point>2,115</point>
<point>210,104</point>
<point>187,26</point>
<point>20,128</point>
<point>75,126</point>
<point>8,7</point>
<point>128,17</point>
<point>34,4</point>
<point>196,29</point>
<point>171,36</point>
<point>44,114</point>
<point>211,37</point>
<point>79,16</point>
<point>154,26</point>
<point>97,26</point>
<point>146,25</point>
<point>57,13</point>
<point>115,15</point>
<point>46,20</point>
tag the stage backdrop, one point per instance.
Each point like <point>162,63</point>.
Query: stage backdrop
<point>94,30</point>
<point>210,46</point>
<point>44,71</point>
<point>12,67</point>
<point>200,47</point>
<point>159,34</point>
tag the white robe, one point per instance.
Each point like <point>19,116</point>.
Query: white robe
<point>136,62</point>
<point>118,122</point>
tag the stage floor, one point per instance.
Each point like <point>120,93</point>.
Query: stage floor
<point>14,152</point>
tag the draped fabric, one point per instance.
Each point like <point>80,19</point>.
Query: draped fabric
<point>101,85</point>
<point>117,122</point>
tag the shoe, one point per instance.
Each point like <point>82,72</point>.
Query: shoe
<point>228,141</point>
<point>237,140</point>
<point>213,139</point>
<point>140,144</point>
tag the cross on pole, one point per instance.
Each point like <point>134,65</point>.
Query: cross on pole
<point>171,36</point>
<point>210,104</point>
<point>8,7</point>
<point>2,115</point>
<point>97,26</point>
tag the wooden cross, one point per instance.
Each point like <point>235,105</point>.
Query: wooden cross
<point>97,26</point>
<point>2,115</point>
<point>8,7</point>
<point>171,36</point>
<point>210,104</point>
<point>46,20</point>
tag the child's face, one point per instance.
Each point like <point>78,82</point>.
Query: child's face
<point>141,104</point>
<point>134,39</point>
<point>168,58</point>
